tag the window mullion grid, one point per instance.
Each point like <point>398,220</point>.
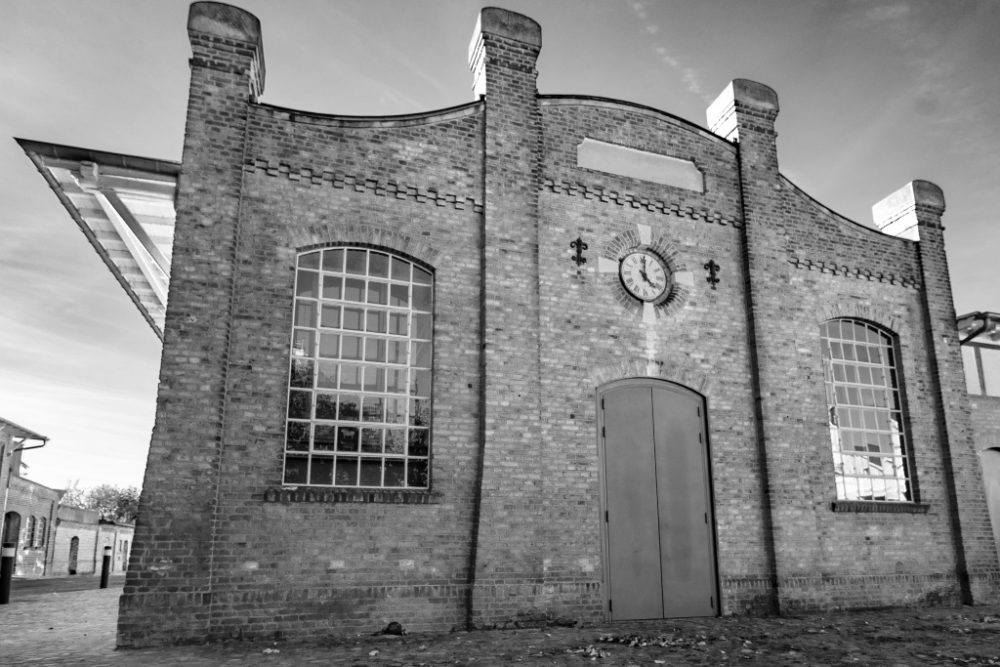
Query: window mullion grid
<point>363,390</point>
<point>875,356</point>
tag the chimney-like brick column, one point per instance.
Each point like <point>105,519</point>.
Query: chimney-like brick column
<point>744,113</point>
<point>506,552</point>
<point>914,212</point>
<point>167,595</point>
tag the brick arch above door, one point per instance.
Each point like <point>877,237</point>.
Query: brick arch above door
<point>638,367</point>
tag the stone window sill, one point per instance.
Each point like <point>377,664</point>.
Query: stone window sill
<point>878,507</point>
<point>311,494</point>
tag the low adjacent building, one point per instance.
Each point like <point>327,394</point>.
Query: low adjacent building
<point>980,333</point>
<point>51,540</point>
<point>80,539</point>
<point>29,508</point>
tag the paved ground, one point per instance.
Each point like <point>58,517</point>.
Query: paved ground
<point>56,623</point>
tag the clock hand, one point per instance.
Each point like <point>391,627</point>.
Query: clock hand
<point>645,276</point>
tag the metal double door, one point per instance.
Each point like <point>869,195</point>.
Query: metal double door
<point>659,535</point>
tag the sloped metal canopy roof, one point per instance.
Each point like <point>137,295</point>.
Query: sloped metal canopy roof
<point>979,327</point>
<point>20,431</point>
<point>125,207</point>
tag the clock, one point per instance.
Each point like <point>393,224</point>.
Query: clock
<point>644,275</point>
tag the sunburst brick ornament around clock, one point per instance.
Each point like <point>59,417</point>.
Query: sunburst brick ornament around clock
<point>645,272</point>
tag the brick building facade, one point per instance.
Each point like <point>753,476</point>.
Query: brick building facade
<point>980,333</point>
<point>37,506</point>
<point>29,509</point>
<point>51,540</point>
<point>538,356</point>
<point>80,538</point>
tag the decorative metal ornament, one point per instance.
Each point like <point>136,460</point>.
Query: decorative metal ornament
<point>713,273</point>
<point>579,246</point>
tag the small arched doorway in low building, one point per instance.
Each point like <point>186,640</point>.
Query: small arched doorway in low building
<point>74,552</point>
<point>991,479</point>
<point>11,528</point>
<point>659,534</point>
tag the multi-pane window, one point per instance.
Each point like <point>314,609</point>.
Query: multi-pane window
<point>359,395</point>
<point>29,532</point>
<point>982,368</point>
<point>41,532</point>
<point>867,432</point>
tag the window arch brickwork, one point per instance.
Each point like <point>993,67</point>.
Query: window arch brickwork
<point>866,412</point>
<point>359,396</point>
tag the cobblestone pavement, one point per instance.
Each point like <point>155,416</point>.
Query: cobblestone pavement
<point>48,626</point>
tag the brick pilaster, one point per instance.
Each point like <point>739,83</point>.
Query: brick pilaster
<point>168,588</point>
<point>915,212</point>
<point>502,57</point>
<point>745,113</point>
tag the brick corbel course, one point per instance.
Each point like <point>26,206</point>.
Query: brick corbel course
<point>857,273</point>
<point>628,199</point>
<point>380,188</point>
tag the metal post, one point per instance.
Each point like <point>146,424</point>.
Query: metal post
<point>6,570</point>
<point>105,567</point>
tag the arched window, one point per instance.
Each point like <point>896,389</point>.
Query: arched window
<point>29,532</point>
<point>40,533</point>
<point>74,552</point>
<point>359,395</point>
<point>11,528</point>
<point>866,412</point>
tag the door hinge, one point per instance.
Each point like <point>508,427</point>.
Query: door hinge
<point>706,517</point>
<point>711,601</point>
<point>605,516</point>
<point>609,605</point>
<point>602,404</point>
<point>603,433</point>
<point>698,408</point>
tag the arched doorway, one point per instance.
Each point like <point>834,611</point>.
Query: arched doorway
<point>11,528</point>
<point>659,533</point>
<point>991,479</point>
<point>74,552</point>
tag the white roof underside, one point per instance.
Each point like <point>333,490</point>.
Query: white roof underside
<point>125,207</point>
<point>980,327</point>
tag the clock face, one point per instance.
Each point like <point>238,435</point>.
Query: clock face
<point>644,275</point>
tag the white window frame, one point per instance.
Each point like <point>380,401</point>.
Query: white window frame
<point>360,370</point>
<point>866,412</point>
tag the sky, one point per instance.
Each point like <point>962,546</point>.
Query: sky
<point>873,94</point>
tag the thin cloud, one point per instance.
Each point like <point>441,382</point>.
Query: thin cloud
<point>936,69</point>
<point>687,75</point>
<point>374,41</point>
<point>892,12</point>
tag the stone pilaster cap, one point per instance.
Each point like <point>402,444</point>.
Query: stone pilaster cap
<point>747,94</point>
<point>918,203</point>
<point>217,18</point>
<point>501,23</point>
<point>229,22</point>
<point>505,23</point>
